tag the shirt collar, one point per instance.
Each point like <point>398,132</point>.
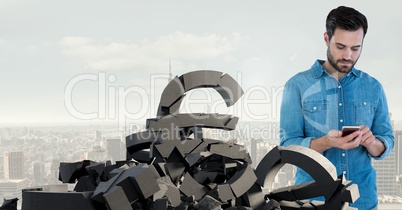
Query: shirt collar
<point>318,70</point>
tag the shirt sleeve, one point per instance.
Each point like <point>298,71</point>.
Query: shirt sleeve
<point>382,128</point>
<point>291,118</point>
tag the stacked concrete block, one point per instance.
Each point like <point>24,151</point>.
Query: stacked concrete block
<point>117,199</point>
<point>138,182</point>
<point>70,172</point>
<point>169,191</point>
<point>9,204</point>
<point>242,181</point>
<point>190,187</point>
<point>219,121</point>
<point>209,202</point>
<point>39,200</point>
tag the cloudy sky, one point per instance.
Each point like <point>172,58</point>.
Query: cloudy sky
<point>107,61</point>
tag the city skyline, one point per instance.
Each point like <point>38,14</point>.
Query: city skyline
<point>71,145</point>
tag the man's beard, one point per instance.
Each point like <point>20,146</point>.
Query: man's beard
<point>337,65</point>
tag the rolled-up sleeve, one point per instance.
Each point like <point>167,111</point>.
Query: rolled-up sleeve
<point>382,128</point>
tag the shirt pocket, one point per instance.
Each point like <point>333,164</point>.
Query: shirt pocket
<point>315,112</point>
<point>364,112</point>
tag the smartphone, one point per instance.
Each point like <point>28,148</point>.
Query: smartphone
<point>348,129</point>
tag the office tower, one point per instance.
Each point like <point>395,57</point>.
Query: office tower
<point>54,171</point>
<point>170,70</point>
<point>281,180</point>
<point>14,165</point>
<point>386,171</point>
<point>97,154</point>
<point>253,152</point>
<point>98,135</point>
<point>398,150</point>
<point>12,188</point>
<point>1,166</point>
<point>113,149</point>
<point>7,134</point>
<point>39,171</point>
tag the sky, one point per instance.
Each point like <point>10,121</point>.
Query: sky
<point>108,61</point>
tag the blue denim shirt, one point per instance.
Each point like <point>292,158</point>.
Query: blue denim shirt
<point>314,103</point>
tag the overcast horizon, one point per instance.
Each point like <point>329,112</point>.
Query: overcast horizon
<point>102,61</point>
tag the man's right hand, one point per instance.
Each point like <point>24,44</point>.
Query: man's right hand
<point>334,139</point>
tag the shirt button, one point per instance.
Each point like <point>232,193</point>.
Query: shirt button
<point>343,154</point>
<point>364,103</point>
<point>340,104</point>
<point>340,120</point>
<point>344,172</point>
<point>314,108</point>
<point>339,87</point>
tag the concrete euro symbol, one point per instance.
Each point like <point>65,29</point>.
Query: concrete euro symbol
<point>171,125</point>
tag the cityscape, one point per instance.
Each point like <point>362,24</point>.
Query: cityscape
<point>30,155</point>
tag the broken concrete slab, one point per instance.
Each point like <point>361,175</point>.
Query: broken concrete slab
<point>190,187</point>
<point>39,200</point>
<point>116,199</point>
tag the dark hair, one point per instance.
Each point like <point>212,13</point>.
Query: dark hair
<point>345,18</point>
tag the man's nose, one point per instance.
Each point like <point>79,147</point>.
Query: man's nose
<point>347,54</point>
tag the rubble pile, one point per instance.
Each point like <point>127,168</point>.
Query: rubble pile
<point>172,165</point>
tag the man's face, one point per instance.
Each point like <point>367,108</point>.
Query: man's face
<point>344,49</point>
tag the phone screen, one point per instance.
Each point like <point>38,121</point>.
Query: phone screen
<point>346,130</point>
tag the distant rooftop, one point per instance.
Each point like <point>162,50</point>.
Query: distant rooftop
<point>11,180</point>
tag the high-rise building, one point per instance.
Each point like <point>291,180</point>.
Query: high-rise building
<point>7,134</point>
<point>387,171</point>
<point>398,150</point>
<point>98,135</point>
<point>12,188</point>
<point>54,171</point>
<point>39,171</point>
<point>386,174</point>
<point>1,166</point>
<point>14,165</point>
<point>281,180</point>
<point>253,152</point>
<point>98,154</point>
<point>113,149</point>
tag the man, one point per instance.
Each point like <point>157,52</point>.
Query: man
<point>318,102</point>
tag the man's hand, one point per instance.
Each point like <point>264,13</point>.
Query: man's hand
<point>363,137</point>
<point>374,146</point>
<point>334,139</point>
<point>347,142</point>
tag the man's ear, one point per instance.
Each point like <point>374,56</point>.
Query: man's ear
<point>326,38</point>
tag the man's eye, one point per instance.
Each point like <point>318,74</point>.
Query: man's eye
<point>355,49</point>
<point>340,47</point>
